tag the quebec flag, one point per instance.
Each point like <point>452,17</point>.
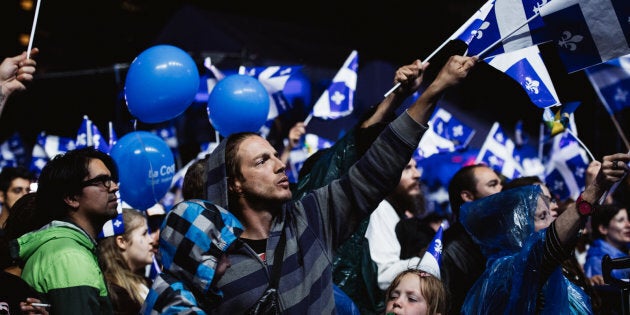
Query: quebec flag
<point>445,134</point>
<point>528,69</point>
<point>510,25</point>
<point>611,81</point>
<point>432,258</point>
<point>89,136</point>
<point>498,153</point>
<point>588,32</point>
<point>338,100</point>
<point>274,78</point>
<point>565,167</point>
<point>113,227</point>
<point>470,30</point>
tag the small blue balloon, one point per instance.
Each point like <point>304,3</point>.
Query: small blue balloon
<point>238,103</point>
<point>146,167</point>
<point>161,83</point>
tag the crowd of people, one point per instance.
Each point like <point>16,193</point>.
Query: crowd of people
<point>349,237</point>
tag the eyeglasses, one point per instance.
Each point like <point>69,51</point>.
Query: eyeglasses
<point>104,180</point>
<point>548,200</point>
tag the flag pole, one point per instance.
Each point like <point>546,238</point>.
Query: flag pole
<point>610,113</point>
<point>30,39</point>
<point>308,119</point>
<point>461,29</point>
<point>423,63</point>
<point>508,35</point>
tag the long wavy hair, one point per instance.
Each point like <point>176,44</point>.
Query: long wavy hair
<point>115,267</point>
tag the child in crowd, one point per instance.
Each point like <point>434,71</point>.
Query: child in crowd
<point>416,292</point>
<point>123,257</point>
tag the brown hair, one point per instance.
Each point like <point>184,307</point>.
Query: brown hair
<point>431,288</point>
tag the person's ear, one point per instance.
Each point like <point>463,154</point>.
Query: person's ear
<point>235,186</point>
<point>467,195</point>
<point>2,197</point>
<point>602,230</point>
<point>121,242</point>
<point>71,201</point>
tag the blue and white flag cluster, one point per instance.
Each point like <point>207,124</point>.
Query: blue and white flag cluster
<point>12,152</point>
<point>445,134</point>
<point>338,99</point>
<point>565,166</point>
<point>432,259</point>
<point>506,26</point>
<point>274,78</point>
<point>89,136</point>
<point>498,153</point>
<point>527,68</point>
<point>588,32</point>
<point>46,147</point>
<point>611,81</point>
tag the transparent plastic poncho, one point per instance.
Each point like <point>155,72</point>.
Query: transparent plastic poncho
<point>503,225</point>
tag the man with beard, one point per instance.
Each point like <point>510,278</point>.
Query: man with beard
<point>246,176</point>
<point>404,202</point>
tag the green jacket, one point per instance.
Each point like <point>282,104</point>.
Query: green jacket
<point>60,262</point>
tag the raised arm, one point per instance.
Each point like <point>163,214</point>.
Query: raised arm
<point>455,70</point>
<point>568,223</point>
<point>410,78</point>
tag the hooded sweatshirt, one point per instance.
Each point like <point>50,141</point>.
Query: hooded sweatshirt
<point>314,226</point>
<point>60,261</point>
<point>194,235</point>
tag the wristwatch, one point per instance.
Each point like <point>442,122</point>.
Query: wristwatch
<point>583,207</point>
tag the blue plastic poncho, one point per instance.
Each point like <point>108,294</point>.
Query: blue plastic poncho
<point>503,226</point>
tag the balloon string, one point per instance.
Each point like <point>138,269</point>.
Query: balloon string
<point>135,125</point>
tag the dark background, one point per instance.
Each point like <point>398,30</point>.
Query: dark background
<point>87,46</point>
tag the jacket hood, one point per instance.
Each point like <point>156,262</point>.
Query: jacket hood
<point>216,182</point>
<point>194,235</point>
<point>26,245</point>
<point>501,223</point>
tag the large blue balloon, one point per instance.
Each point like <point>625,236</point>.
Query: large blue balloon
<point>238,103</point>
<point>146,167</point>
<point>161,83</point>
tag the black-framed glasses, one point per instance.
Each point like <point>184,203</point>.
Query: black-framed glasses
<point>104,180</point>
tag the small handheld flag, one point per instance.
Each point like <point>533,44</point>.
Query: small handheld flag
<point>432,258</point>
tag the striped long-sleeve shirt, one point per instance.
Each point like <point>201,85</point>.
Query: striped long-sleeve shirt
<point>315,225</point>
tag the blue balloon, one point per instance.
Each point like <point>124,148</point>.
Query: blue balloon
<point>238,103</point>
<point>161,83</point>
<point>146,168</point>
